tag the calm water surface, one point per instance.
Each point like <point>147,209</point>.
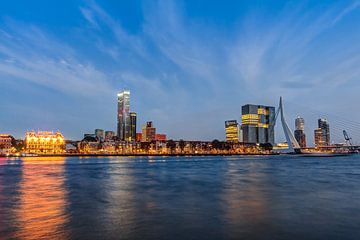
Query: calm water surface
<point>280,197</point>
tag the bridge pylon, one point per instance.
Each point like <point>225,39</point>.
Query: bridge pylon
<point>294,146</point>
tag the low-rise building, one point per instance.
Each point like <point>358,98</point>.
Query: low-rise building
<point>138,137</point>
<point>148,132</point>
<point>100,134</point>
<point>5,143</point>
<point>160,137</point>
<point>44,142</point>
<point>109,136</point>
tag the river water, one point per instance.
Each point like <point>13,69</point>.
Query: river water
<point>236,197</point>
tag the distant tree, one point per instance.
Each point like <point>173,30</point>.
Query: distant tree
<point>266,146</point>
<point>216,144</point>
<point>227,146</point>
<point>181,145</point>
<point>19,145</point>
<point>13,141</point>
<point>90,139</point>
<point>145,146</point>
<point>170,144</point>
<point>193,146</point>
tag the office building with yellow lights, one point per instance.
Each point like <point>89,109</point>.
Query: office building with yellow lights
<point>44,142</point>
<point>232,131</point>
<point>258,124</point>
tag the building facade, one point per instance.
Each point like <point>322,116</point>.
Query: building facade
<point>300,138</point>
<point>258,124</point>
<point>5,143</point>
<point>148,132</point>
<point>318,138</point>
<point>109,135</point>
<point>232,131</point>
<point>100,134</point>
<point>299,132</point>
<point>322,133</point>
<point>323,124</point>
<point>299,123</point>
<point>123,124</point>
<point>160,137</point>
<point>138,137</point>
<point>44,142</point>
<point>132,126</point>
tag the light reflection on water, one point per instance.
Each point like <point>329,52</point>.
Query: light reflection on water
<point>41,210</point>
<point>250,207</point>
<point>180,198</point>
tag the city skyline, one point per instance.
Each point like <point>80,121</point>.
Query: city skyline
<point>63,75</point>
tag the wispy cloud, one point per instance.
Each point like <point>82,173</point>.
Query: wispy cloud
<point>355,5</point>
<point>279,52</point>
<point>29,53</point>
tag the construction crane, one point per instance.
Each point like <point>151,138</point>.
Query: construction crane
<point>347,138</point>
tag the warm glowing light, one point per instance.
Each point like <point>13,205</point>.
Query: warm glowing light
<point>250,119</point>
<point>44,142</point>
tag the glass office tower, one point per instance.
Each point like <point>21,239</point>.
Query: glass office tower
<point>258,124</point>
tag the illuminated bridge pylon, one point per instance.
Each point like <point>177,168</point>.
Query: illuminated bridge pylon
<point>294,146</point>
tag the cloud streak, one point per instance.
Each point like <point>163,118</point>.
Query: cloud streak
<point>30,54</point>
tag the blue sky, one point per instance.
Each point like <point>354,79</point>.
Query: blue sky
<point>190,65</point>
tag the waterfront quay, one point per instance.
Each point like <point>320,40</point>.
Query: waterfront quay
<point>156,148</point>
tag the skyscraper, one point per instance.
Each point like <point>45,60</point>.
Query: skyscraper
<point>299,132</point>
<point>123,127</point>
<point>299,123</point>
<point>132,126</point>
<point>318,137</point>
<point>258,124</point>
<point>232,131</point>
<point>324,126</point>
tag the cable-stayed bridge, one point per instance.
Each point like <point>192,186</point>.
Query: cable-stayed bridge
<point>339,128</point>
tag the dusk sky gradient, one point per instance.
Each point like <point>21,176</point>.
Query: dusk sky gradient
<point>189,65</point>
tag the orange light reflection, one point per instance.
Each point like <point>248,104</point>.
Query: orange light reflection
<point>42,201</point>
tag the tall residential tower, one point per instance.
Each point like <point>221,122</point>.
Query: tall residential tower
<point>123,116</point>
<point>299,132</point>
<point>132,126</point>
